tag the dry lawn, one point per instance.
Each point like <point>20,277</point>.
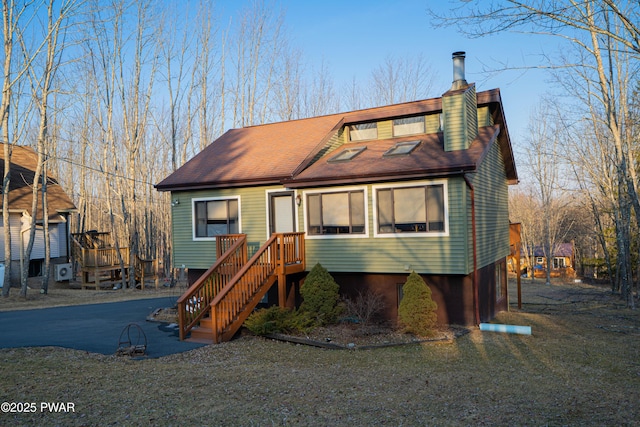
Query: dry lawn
<point>580,367</point>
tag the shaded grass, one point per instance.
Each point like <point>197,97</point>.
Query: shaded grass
<point>581,366</point>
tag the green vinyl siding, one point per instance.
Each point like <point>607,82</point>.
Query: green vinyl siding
<point>385,129</point>
<point>460,119</point>
<point>471,112</point>
<point>335,141</point>
<point>432,123</point>
<point>484,117</point>
<point>425,254</point>
<point>454,122</point>
<point>492,208</point>
<point>201,253</point>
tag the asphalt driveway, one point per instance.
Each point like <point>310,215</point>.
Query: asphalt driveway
<point>95,328</point>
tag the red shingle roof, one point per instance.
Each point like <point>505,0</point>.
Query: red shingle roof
<point>283,152</point>
<point>252,155</point>
<point>427,160</point>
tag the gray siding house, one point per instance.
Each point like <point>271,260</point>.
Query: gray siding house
<point>60,206</point>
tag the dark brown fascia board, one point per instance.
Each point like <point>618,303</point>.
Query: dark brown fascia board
<point>431,105</point>
<point>323,142</point>
<point>492,97</point>
<point>375,178</point>
<point>219,185</point>
<point>489,96</point>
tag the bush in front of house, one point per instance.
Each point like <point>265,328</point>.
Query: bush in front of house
<point>320,297</point>
<point>271,320</point>
<point>366,306</point>
<point>417,311</point>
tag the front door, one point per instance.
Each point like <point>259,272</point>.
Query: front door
<point>282,212</point>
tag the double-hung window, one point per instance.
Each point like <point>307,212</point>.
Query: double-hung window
<point>416,209</point>
<point>336,213</point>
<point>214,217</point>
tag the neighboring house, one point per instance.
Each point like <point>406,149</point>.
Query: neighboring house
<point>23,165</point>
<point>419,186</point>
<point>562,264</point>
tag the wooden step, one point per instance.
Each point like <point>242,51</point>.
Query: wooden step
<point>201,335</point>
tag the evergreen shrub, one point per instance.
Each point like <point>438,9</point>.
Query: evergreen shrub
<point>320,297</point>
<point>417,311</point>
<point>270,320</point>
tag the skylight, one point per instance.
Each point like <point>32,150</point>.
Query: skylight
<point>347,154</point>
<point>402,148</point>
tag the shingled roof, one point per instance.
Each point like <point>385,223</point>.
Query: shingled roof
<point>287,152</point>
<point>23,166</point>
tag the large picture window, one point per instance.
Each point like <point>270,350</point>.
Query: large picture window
<point>418,209</point>
<point>336,213</point>
<point>215,217</point>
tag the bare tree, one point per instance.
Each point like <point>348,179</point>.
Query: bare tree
<point>544,161</point>
<point>42,81</point>
<point>320,96</point>
<point>524,208</point>
<point>11,13</point>
<point>606,38</point>
<point>399,80</point>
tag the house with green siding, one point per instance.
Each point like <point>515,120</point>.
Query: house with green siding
<point>376,194</point>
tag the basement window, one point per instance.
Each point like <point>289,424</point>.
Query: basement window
<point>402,148</point>
<point>346,155</point>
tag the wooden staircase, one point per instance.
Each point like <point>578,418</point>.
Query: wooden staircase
<point>214,308</point>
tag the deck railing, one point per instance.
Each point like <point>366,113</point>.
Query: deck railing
<point>96,257</point>
<point>194,304</point>
<point>232,287</point>
<point>233,304</point>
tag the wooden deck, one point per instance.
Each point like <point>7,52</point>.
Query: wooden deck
<point>100,263</point>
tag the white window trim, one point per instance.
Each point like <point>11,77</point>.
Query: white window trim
<point>445,189</point>
<point>268,208</point>
<point>364,235</point>
<point>211,199</point>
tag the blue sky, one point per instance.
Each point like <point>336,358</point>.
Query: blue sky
<point>354,37</point>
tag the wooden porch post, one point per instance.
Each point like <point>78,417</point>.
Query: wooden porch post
<point>282,277</point>
<point>282,290</point>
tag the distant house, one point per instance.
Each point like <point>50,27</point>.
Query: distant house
<point>562,263</point>
<point>376,193</point>
<point>23,165</point>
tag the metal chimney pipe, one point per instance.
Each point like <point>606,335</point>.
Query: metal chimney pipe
<point>458,71</point>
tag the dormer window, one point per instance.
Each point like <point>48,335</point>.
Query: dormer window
<point>402,148</point>
<point>363,131</point>
<point>346,155</point>
<point>408,126</point>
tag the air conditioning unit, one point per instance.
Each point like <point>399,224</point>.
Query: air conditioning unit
<point>63,272</point>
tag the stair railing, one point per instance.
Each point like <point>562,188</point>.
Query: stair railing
<point>194,304</point>
<point>233,304</point>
